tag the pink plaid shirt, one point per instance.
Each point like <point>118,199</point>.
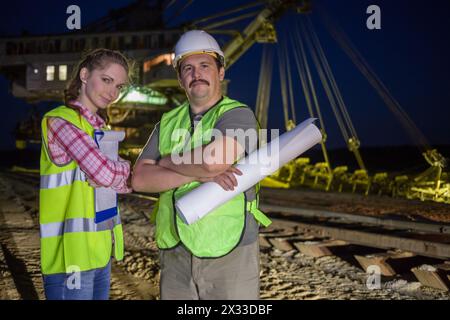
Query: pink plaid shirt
<point>66,143</point>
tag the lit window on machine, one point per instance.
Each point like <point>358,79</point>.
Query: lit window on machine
<point>62,72</point>
<point>50,73</point>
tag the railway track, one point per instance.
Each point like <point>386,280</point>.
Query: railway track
<point>402,245</point>
<point>392,245</point>
<point>429,239</point>
<point>395,246</point>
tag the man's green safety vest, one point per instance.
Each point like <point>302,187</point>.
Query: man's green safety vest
<point>220,231</point>
<point>70,239</point>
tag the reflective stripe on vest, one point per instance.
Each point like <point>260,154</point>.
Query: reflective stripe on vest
<point>55,229</point>
<point>56,180</point>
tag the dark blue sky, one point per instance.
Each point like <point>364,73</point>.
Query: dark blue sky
<point>410,54</point>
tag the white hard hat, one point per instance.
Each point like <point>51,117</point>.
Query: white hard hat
<point>196,42</point>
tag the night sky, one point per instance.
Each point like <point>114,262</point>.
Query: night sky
<point>410,54</point>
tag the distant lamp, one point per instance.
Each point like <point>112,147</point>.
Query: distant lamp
<point>143,95</point>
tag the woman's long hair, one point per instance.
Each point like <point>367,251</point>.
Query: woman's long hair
<point>96,59</point>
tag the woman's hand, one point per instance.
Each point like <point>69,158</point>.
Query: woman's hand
<point>93,184</point>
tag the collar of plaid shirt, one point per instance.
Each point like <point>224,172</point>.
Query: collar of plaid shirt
<point>94,119</point>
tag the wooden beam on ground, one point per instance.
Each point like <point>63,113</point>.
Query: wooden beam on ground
<point>387,261</point>
<point>281,244</point>
<point>437,276</point>
<point>378,240</point>
<point>263,243</point>
<point>318,249</point>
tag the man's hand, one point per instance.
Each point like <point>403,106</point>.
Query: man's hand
<point>226,180</point>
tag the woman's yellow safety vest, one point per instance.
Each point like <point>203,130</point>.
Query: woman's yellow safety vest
<point>70,239</point>
<point>220,231</point>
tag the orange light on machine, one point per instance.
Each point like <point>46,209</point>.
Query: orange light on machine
<point>167,58</point>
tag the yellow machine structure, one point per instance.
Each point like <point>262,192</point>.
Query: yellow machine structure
<point>433,184</point>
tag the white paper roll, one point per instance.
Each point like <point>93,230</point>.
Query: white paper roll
<point>255,167</point>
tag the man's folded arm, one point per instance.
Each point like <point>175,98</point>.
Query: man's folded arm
<point>205,161</point>
<point>152,178</point>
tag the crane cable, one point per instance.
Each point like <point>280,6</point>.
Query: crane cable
<point>179,11</point>
<point>169,4</point>
<point>352,141</point>
<point>331,78</point>
<point>302,74</point>
<point>291,88</point>
<point>310,82</point>
<point>305,77</point>
<point>359,61</point>
<point>264,85</point>
<point>309,88</point>
<point>284,94</point>
<point>326,86</point>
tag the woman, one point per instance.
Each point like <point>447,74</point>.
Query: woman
<point>76,248</point>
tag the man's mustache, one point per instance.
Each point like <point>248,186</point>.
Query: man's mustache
<point>199,80</point>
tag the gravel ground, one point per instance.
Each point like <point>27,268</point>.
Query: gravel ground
<point>284,274</point>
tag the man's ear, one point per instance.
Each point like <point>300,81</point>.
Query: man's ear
<point>84,74</point>
<point>179,81</point>
<point>221,73</point>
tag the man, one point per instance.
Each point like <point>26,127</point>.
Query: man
<point>217,257</point>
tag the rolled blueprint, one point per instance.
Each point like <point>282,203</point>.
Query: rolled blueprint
<point>255,167</point>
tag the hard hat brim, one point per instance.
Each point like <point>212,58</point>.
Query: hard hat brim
<point>213,54</point>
